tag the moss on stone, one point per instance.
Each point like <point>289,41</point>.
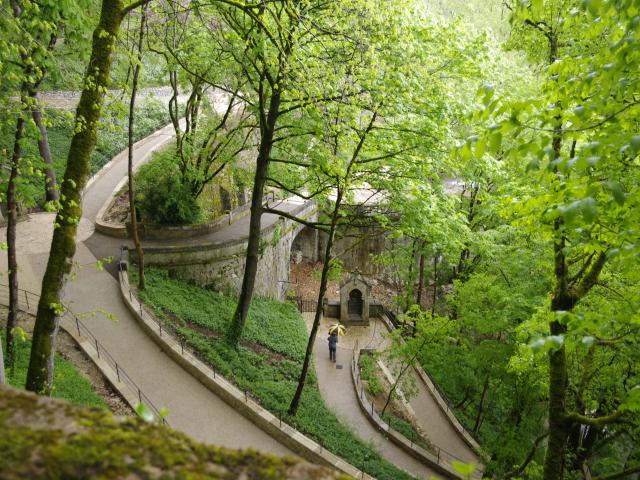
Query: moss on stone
<point>48,438</point>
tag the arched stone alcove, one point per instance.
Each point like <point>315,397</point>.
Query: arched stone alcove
<point>354,301</point>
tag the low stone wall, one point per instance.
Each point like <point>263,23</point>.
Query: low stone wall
<point>220,266</point>
<point>227,391</point>
<point>444,406</point>
<point>150,231</point>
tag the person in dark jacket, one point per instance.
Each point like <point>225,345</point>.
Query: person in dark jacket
<point>333,345</point>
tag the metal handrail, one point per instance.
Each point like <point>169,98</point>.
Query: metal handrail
<point>441,454</point>
<point>31,301</point>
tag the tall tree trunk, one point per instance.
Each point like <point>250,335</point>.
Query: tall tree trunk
<point>420,280</point>
<point>50,182</point>
<point>132,204</point>
<point>559,429</point>
<point>253,245</point>
<point>40,373</point>
<point>435,285</point>
<point>12,259</point>
<point>483,396</point>
<point>3,377</point>
<point>324,279</point>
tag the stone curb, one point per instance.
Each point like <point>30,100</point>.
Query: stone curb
<point>444,406</point>
<point>416,451</point>
<point>223,388</point>
<point>235,241</point>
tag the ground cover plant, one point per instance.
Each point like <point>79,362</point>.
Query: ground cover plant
<point>266,364</point>
<point>69,383</point>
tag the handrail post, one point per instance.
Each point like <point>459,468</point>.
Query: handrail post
<point>117,372</point>
<point>26,297</point>
<point>97,349</point>
<point>78,326</point>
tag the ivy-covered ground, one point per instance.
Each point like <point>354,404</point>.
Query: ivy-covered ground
<point>68,382</point>
<point>267,363</point>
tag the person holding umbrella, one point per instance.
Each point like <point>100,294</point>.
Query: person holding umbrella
<point>334,331</point>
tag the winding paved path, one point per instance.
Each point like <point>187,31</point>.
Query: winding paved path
<point>192,408</point>
<point>337,390</point>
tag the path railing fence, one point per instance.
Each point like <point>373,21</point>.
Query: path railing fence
<point>306,305</point>
<point>437,454</point>
<point>28,302</point>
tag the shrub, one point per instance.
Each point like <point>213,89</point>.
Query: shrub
<point>160,194</point>
<point>368,373</point>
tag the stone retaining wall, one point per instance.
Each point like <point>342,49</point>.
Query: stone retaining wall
<point>220,266</point>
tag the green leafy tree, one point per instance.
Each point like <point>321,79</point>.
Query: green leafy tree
<point>578,136</point>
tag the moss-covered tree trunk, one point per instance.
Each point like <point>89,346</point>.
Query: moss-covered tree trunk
<point>420,279</point>
<point>3,377</point>
<point>40,373</point>
<point>253,246</point>
<point>12,258</point>
<point>132,201</point>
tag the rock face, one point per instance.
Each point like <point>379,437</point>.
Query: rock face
<point>46,438</point>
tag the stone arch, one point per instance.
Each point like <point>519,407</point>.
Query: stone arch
<point>305,245</point>
<point>355,304</point>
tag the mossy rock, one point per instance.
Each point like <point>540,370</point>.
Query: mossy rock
<point>53,439</point>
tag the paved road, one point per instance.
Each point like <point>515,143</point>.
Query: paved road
<point>193,409</point>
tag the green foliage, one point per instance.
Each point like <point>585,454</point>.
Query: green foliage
<point>112,139</point>
<point>162,196</point>
<point>68,382</point>
<point>368,370</point>
<point>269,374</point>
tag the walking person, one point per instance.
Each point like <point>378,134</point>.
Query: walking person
<point>333,345</point>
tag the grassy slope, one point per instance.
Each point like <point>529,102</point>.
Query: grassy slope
<point>68,382</point>
<point>270,373</point>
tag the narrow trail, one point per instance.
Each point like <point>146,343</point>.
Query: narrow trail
<point>193,409</point>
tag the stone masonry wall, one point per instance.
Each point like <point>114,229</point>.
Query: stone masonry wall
<point>221,266</point>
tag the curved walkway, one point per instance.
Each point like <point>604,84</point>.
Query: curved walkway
<point>193,409</point>
<point>337,390</point>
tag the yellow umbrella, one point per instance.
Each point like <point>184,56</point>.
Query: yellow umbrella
<point>339,328</point>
